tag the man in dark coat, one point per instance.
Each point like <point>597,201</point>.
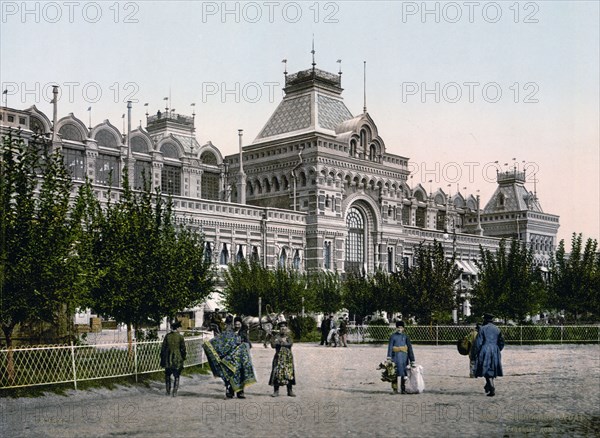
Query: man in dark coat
<point>488,344</point>
<point>172,356</point>
<point>324,330</point>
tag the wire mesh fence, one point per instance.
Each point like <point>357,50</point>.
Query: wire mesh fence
<point>31,366</point>
<point>449,334</point>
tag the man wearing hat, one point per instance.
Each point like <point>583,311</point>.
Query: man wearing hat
<point>282,371</point>
<point>400,351</point>
<point>172,355</point>
<point>488,345</point>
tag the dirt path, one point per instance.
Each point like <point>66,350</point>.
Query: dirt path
<point>547,390</point>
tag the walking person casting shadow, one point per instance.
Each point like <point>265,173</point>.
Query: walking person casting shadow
<point>172,356</point>
<point>488,344</point>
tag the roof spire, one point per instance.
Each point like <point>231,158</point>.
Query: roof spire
<point>365,87</point>
<point>313,53</point>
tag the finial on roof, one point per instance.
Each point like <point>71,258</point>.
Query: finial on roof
<point>365,86</point>
<point>284,66</point>
<point>313,53</point>
<point>339,61</point>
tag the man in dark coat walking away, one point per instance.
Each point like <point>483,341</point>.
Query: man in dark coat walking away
<point>172,355</point>
<point>488,344</point>
<point>325,326</point>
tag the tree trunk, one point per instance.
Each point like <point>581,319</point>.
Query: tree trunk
<point>10,363</point>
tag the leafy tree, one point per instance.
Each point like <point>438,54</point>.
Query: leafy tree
<point>326,288</point>
<point>387,292</point>
<point>510,285</point>
<point>428,286</point>
<point>357,296</point>
<point>147,268</point>
<point>38,269</point>
<point>245,282</point>
<point>574,285</point>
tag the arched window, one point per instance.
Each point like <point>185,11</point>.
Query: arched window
<point>282,258</point>
<point>169,150</point>
<point>208,157</point>
<point>355,242</point>
<point>255,254</point>
<point>224,257</point>
<point>208,252</point>
<point>352,148</point>
<point>327,254</point>
<point>70,132</point>
<point>296,262</point>
<point>106,139</point>
<point>501,200</point>
<point>373,153</point>
<point>240,254</point>
<point>139,145</point>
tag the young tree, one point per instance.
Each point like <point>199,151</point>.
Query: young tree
<point>510,285</point>
<point>429,283</point>
<point>38,273</point>
<point>573,285</point>
<point>146,268</point>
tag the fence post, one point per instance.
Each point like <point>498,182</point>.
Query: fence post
<point>135,360</point>
<point>562,328</point>
<point>521,335</point>
<point>437,334</point>
<point>73,364</point>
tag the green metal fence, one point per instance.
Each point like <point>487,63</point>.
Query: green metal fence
<point>449,334</point>
<point>31,366</point>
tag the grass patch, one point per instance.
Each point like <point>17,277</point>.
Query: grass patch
<point>110,383</point>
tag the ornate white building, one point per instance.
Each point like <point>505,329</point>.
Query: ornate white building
<point>317,189</point>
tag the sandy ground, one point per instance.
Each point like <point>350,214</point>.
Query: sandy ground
<point>546,391</point>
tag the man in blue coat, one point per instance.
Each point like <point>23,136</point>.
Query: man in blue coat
<point>400,352</point>
<point>488,344</point>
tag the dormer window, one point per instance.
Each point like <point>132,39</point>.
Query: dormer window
<point>501,200</point>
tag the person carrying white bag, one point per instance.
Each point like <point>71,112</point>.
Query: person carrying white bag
<point>400,352</point>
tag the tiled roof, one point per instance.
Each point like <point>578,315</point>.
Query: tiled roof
<point>291,115</point>
<point>332,112</point>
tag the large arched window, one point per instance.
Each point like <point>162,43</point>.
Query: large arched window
<point>355,242</point>
<point>70,132</point>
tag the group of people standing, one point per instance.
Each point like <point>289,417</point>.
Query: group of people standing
<point>333,335</point>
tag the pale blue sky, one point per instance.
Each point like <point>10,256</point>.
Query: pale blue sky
<point>182,47</point>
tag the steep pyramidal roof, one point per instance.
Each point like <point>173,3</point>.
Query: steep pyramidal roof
<point>511,195</point>
<point>313,102</point>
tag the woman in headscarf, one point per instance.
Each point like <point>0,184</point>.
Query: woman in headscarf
<point>229,358</point>
<point>282,371</point>
<point>400,351</point>
<point>488,345</point>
